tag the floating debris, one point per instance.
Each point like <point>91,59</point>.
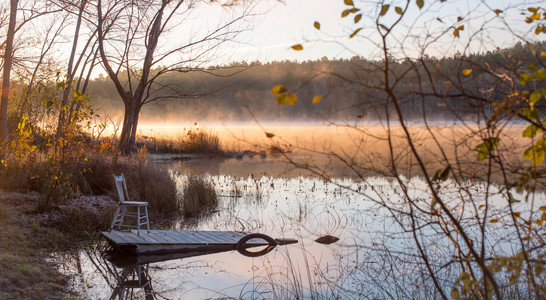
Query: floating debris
<point>327,239</point>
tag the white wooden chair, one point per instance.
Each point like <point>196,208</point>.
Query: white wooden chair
<point>139,209</point>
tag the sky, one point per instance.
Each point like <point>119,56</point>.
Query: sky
<point>280,24</point>
<point>291,22</point>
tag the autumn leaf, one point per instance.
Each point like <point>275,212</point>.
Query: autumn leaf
<point>317,99</point>
<point>384,9</point>
<point>317,25</point>
<point>354,33</point>
<point>281,99</point>
<point>278,89</point>
<point>420,3</point>
<point>358,18</point>
<point>467,72</point>
<point>297,47</point>
<point>292,99</point>
<point>269,135</point>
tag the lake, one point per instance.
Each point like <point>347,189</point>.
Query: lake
<point>284,195</point>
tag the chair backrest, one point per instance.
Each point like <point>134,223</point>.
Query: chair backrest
<point>122,188</point>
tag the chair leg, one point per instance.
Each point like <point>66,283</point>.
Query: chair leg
<point>122,217</point>
<point>147,219</point>
<point>138,220</point>
<point>115,218</point>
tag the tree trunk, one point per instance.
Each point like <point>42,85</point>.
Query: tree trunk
<point>128,132</point>
<point>63,116</point>
<point>8,60</point>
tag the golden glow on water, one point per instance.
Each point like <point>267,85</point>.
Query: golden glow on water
<point>330,138</point>
<point>336,149</point>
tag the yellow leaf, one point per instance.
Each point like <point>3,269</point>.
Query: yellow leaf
<point>269,135</point>
<point>278,89</point>
<point>281,99</point>
<point>349,2</point>
<point>317,25</point>
<point>498,11</point>
<point>467,72</point>
<point>292,99</point>
<point>357,18</point>
<point>543,53</point>
<point>494,221</point>
<point>297,47</point>
<point>384,9</point>
<point>354,33</point>
<point>420,3</point>
<point>543,208</point>
<point>398,10</point>
<point>317,99</point>
<point>516,215</point>
<point>456,31</point>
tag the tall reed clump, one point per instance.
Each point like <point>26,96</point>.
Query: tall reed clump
<point>200,141</point>
<point>156,186</point>
<point>199,197</point>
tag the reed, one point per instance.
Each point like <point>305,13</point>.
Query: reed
<point>201,141</point>
<point>199,197</point>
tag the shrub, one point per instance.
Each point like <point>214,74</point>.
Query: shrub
<point>199,197</point>
<point>86,215</point>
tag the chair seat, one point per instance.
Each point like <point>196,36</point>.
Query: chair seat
<point>134,203</point>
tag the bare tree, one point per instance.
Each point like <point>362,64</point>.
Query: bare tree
<point>22,13</point>
<point>8,61</point>
<point>134,54</point>
<point>477,203</point>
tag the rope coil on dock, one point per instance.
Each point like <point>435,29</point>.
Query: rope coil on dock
<point>242,246</point>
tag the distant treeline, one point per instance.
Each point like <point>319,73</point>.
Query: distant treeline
<point>352,88</point>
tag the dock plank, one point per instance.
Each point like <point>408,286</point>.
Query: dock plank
<point>167,238</point>
<point>151,238</point>
<point>215,238</point>
<point>185,236</point>
<point>198,237</point>
<point>119,238</point>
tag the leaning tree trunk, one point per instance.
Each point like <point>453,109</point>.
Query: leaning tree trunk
<point>8,59</point>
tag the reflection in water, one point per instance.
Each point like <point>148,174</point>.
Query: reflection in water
<point>374,258</point>
<point>131,278</point>
<point>132,273</point>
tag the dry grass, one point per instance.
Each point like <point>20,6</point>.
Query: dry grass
<point>85,217</point>
<point>194,141</point>
<point>199,197</point>
<point>201,141</point>
<point>25,273</point>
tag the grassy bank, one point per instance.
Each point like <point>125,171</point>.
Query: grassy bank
<point>24,244</point>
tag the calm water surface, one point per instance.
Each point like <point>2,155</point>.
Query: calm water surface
<point>268,195</point>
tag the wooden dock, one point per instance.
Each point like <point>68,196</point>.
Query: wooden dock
<point>169,241</point>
